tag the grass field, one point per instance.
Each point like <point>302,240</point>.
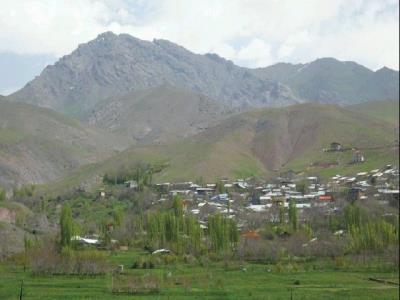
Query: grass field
<point>215,281</point>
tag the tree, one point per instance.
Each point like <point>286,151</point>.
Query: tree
<point>301,187</point>
<point>66,226</point>
<point>352,215</point>
<point>293,215</point>
<point>2,194</point>
<point>177,206</point>
<point>282,213</point>
<point>220,187</point>
<point>223,233</point>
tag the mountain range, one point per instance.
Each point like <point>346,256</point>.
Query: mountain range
<point>199,114</point>
<point>328,80</point>
<point>112,66</point>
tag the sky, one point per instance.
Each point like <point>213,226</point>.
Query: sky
<point>252,33</point>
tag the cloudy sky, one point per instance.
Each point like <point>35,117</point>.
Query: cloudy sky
<point>252,33</point>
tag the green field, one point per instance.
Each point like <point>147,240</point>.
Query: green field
<point>214,281</point>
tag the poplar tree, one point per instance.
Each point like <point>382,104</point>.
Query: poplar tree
<point>2,194</point>
<point>66,226</point>
<point>293,215</point>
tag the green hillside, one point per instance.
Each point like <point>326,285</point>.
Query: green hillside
<point>387,111</point>
<point>261,143</point>
<point>38,145</point>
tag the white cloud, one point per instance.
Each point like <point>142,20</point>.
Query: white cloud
<point>256,54</point>
<point>252,32</point>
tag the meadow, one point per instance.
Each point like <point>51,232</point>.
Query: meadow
<point>214,280</point>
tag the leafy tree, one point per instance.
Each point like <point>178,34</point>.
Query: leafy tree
<point>220,187</point>
<point>223,233</point>
<point>293,215</point>
<point>118,216</point>
<point>2,194</point>
<point>282,213</point>
<point>302,187</point>
<point>66,226</point>
<point>177,206</point>
<point>352,215</point>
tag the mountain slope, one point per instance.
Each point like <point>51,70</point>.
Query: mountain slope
<point>158,115</point>
<point>261,143</point>
<point>113,65</point>
<point>387,111</point>
<point>328,80</point>
<point>38,145</point>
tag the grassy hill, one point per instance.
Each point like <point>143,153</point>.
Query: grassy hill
<point>387,111</point>
<point>261,143</point>
<point>38,145</point>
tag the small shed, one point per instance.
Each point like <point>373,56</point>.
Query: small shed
<point>335,146</point>
<point>358,157</point>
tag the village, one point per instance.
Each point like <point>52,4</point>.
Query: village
<point>251,202</point>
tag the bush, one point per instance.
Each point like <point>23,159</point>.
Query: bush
<point>133,284</point>
<point>46,259</point>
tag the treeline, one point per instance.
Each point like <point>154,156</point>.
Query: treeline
<point>367,233</point>
<point>183,233</point>
<point>141,173</point>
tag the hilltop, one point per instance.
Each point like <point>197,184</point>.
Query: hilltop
<point>38,145</point>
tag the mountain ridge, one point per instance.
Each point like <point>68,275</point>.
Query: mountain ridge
<point>113,65</point>
<point>328,80</point>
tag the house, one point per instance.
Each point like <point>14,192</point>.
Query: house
<point>220,198</point>
<point>161,251</point>
<point>358,157</point>
<point>204,191</point>
<point>336,146</point>
<point>265,199</point>
<point>85,240</point>
<point>325,198</point>
<point>174,193</point>
<point>390,196</point>
<point>132,184</point>
<point>250,235</point>
<point>312,179</point>
<point>355,194</point>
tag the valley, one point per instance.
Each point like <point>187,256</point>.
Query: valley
<point>135,168</point>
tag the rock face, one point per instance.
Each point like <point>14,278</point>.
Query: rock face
<point>328,80</point>
<point>159,115</point>
<point>113,65</point>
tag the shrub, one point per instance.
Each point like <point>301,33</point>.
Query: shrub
<point>134,284</point>
<point>46,259</point>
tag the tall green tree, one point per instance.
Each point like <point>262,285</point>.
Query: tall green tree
<point>293,215</point>
<point>352,215</point>
<point>282,213</point>
<point>223,233</point>
<point>2,194</point>
<point>66,226</point>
